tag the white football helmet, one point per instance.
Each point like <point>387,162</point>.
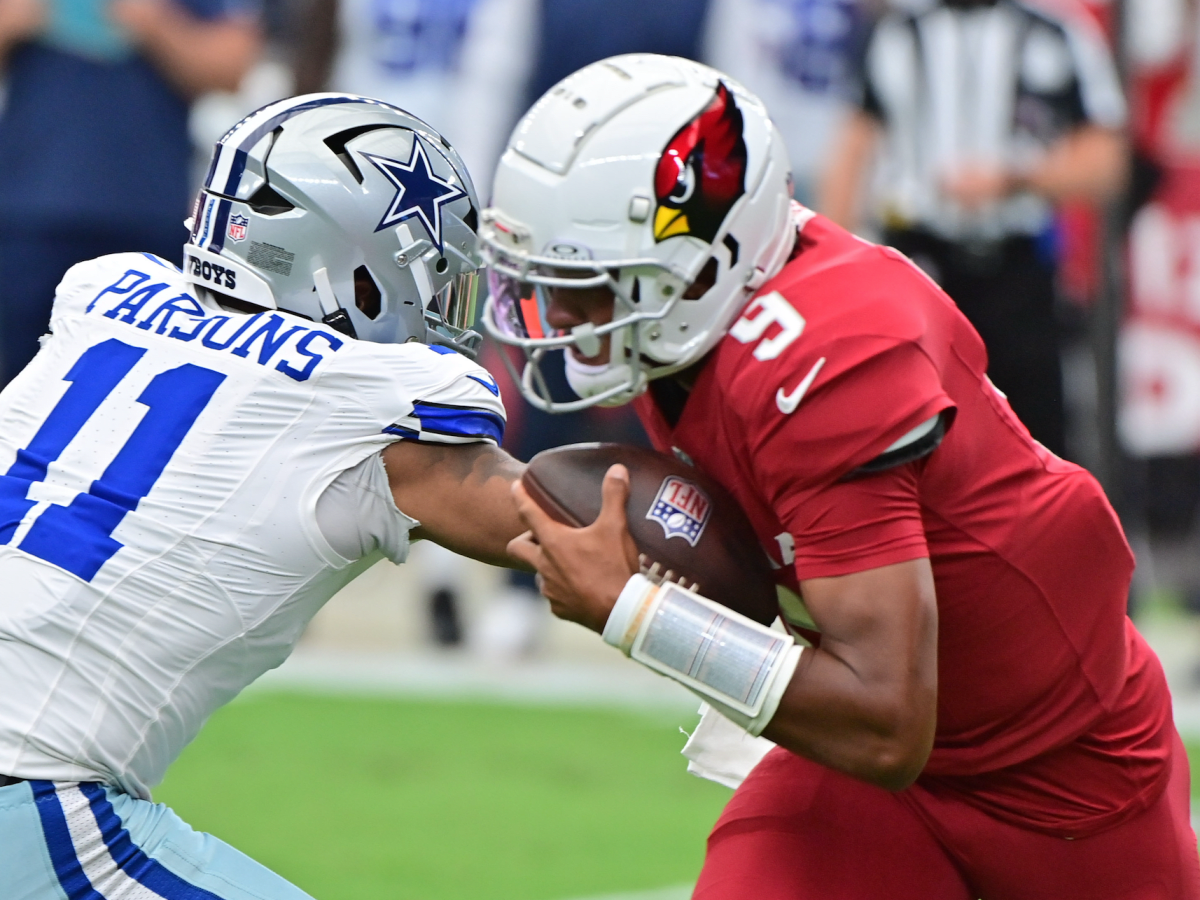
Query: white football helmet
<point>312,199</point>
<point>638,172</point>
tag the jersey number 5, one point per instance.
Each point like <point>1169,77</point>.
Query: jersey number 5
<point>78,537</point>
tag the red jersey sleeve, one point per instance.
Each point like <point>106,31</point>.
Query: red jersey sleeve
<point>869,392</point>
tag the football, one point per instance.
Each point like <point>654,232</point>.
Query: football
<point>686,526</point>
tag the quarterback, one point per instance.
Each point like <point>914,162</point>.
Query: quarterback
<point>962,708</point>
<point>197,460</point>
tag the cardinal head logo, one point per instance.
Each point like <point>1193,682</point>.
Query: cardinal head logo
<point>702,171</point>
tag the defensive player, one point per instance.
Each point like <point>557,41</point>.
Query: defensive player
<point>196,461</point>
<point>966,710</point>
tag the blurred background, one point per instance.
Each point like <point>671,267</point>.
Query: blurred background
<point>438,734</point>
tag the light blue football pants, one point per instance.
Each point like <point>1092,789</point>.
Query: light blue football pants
<point>65,841</point>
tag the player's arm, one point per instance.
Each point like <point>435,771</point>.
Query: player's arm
<point>460,493</point>
<point>863,703</point>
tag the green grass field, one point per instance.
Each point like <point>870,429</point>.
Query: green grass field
<point>379,798</point>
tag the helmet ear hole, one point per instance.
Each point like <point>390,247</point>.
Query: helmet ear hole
<point>367,297</point>
<point>442,265</point>
<point>337,143</point>
<point>267,201</point>
<point>705,280</point>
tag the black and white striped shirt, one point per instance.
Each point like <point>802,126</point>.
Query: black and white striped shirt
<point>986,85</point>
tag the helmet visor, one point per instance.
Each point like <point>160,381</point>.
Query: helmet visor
<point>518,308</point>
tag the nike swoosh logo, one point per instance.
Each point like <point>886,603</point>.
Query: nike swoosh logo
<point>787,403</point>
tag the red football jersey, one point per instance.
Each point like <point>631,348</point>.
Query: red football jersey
<point>1052,711</point>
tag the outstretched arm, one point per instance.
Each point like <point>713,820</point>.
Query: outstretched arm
<point>461,494</point>
<point>864,702</point>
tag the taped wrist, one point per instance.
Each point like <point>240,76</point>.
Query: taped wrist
<point>739,666</point>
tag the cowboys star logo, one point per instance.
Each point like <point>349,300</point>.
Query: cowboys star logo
<point>419,192</point>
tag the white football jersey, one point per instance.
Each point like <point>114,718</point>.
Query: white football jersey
<point>160,465</point>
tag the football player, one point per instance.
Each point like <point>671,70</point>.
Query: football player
<point>197,460</point>
<point>962,707</point>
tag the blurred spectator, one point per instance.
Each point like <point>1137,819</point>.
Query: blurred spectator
<point>1159,351</point>
<point>573,33</point>
<point>461,65</point>
<point>799,56</point>
<point>94,148</point>
<point>990,112</point>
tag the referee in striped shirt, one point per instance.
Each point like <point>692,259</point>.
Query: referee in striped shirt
<point>985,114</point>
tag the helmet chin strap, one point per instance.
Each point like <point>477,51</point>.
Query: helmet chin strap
<point>334,316</point>
<point>589,380</point>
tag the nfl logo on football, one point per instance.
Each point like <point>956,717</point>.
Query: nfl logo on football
<point>237,227</point>
<point>681,509</point>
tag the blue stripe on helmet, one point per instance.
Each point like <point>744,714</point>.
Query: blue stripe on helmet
<point>236,170</point>
<point>219,226</point>
<point>459,421</point>
<point>132,859</point>
<point>244,144</point>
<point>58,841</point>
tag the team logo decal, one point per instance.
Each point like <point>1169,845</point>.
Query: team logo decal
<point>702,171</point>
<point>237,227</point>
<point>419,192</point>
<point>681,508</point>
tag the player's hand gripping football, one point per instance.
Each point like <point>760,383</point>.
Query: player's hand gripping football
<point>581,571</point>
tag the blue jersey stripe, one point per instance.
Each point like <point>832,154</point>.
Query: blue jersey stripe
<point>490,384</point>
<point>58,841</point>
<point>402,432</point>
<point>132,859</point>
<point>459,421</point>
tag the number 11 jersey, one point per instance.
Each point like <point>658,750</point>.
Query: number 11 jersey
<point>160,465</point>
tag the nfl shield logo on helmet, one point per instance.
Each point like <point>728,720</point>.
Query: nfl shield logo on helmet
<point>237,227</point>
<point>681,508</point>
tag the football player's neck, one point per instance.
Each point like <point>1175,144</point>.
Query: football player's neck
<point>686,378</point>
<point>672,392</point>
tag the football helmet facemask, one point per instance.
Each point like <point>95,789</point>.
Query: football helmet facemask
<point>344,210</point>
<point>637,173</point>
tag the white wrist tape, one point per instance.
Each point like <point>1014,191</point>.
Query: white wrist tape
<point>736,664</point>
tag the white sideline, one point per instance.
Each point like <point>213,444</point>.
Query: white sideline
<point>620,683</point>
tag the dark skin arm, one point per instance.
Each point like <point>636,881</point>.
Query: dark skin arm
<point>864,703</point>
<point>461,494</point>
